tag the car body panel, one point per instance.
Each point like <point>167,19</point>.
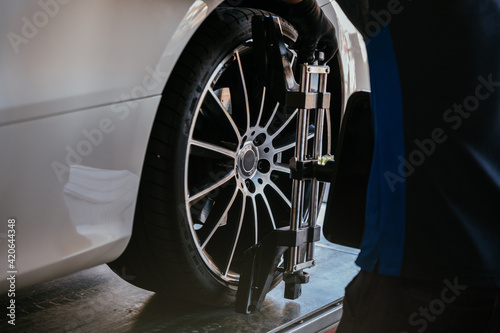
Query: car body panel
<point>72,184</point>
<point>78,96</point>
<point>352,51</point>
<point>80,91</point>
<point>89,53</point>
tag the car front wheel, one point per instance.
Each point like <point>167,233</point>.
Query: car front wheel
<point>216,178</point>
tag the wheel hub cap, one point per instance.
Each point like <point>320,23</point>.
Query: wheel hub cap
<point>247,161</point>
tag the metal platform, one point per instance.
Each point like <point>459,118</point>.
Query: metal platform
<point>96,300</point>
<point>324,319</point>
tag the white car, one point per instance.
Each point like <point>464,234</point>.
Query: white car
<point>125,128</point>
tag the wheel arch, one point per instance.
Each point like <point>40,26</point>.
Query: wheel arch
<point>350,109</point>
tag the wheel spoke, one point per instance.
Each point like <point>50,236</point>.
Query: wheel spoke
<point>285,124</point>
<point>290,145</point>
<point>228,116</point>
<point>284,148</point>
<point>261,111</point>
<point>270,121</point>
<point>237,236</point>
<point>214,148</point>
<point>256,220</point>
<point>244,86</point>
<point>280,193</point>
<point>281,168</point>
<point>192,199</point>
<point>269,210</point>
<point>215,219</point>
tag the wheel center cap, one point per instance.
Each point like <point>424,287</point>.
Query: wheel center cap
<point>247,161</point>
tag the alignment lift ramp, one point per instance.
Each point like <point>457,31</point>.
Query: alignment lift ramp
<point>292,248</point>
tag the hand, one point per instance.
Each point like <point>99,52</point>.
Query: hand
<point>314,28</point>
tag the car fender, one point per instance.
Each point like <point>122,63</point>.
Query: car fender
<point>80,84</point>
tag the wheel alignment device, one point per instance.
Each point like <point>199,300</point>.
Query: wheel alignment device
<point>274,65</point>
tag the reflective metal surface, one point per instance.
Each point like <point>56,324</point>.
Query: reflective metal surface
<point>96,300</point>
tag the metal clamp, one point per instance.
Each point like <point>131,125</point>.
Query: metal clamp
<point>295,244</point>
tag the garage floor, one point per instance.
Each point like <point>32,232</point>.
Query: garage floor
<point>96,300</point>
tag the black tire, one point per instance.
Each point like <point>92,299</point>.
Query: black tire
<point>178,244</point>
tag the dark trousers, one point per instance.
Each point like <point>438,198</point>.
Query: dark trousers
<point>375,303</point>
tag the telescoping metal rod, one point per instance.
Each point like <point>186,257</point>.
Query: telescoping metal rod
<point>300,155</point>
<point>317,151</point>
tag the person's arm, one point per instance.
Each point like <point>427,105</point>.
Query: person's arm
<point>314,28</point>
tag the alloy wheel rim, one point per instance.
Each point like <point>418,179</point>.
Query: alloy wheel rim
<point>250,185</point>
